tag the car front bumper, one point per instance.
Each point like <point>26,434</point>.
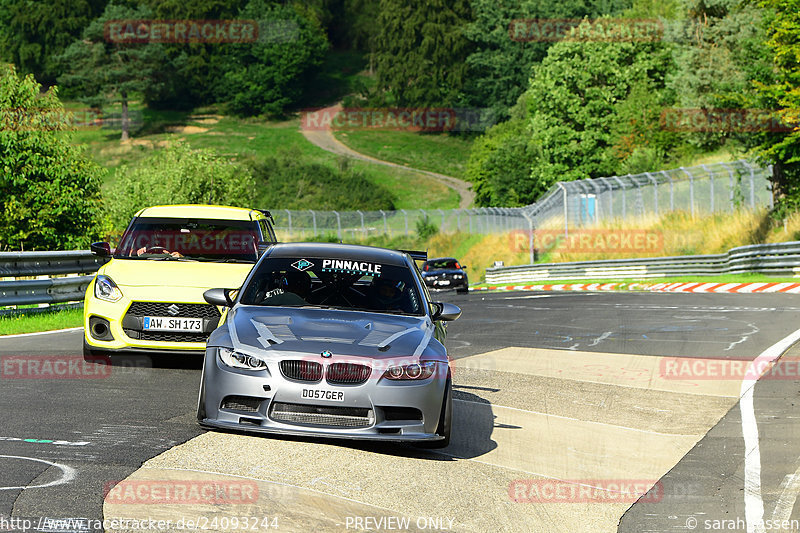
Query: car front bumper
<point>382,403</point>
<point>114,313</point>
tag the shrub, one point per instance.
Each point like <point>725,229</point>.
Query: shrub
<point>50,188</point>
<point>286,182</point>
<point>179,175</point>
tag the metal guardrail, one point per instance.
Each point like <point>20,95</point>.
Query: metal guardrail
<point>775,259</point>
<point>49,290</point>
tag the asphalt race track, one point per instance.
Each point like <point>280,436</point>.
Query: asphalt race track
<point>573,412</point>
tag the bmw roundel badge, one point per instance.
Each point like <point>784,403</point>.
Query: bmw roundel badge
<point>326,354</point>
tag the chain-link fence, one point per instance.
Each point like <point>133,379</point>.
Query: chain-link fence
<point>699,190</point>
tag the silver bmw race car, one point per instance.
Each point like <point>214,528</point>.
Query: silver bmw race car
<point>331,340</point>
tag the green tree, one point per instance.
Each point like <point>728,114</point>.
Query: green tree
<point>500,162</point>
<point>420,51</point>
<point>719,49</point>
<point>272,74</point>
<point>193,68</point>
<point>782,93</point>
<point>501,63</point>
<point>50,188</point>
<point>34,34</point>
<point>100,71</point>
<point>573,103</point>
<point>179,175</point>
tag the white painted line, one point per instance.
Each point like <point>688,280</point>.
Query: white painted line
<point>753,503</point>
<point>791,489</point>
<point>67,473</point>
<point>39,333</point>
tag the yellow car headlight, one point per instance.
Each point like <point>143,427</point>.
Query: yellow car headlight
<point>106,289</point>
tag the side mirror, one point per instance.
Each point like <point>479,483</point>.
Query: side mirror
<point>102,249</point>
<point>464,267</point>
<point>446,311</point>
<point>218,297</point>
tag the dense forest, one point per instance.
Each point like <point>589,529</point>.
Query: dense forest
<point>594,93</point>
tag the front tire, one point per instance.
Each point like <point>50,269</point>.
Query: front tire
<point>445,418</point>
<point>90,354</point>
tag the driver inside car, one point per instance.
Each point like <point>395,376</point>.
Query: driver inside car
<point>290,288</point>
<point>389,294</point>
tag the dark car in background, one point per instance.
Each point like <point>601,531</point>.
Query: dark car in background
<point>445,273</point>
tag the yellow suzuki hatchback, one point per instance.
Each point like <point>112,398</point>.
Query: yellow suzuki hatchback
<point>148,297</point>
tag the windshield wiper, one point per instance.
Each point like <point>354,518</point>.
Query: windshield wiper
<point>230,260</point>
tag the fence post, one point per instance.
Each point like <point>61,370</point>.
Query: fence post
<point>711,185</point>
<point>731,190</point>
<point>363,228</point>
<point>655,190</point>
<point>385,228</point>
<point>314,220</point>
<point>610,197</point>
<point>771,188</point>
<point>441,228</point>
<point>639,197</point>
<point>405,216</point>
<point>338,225</point>
<point>566,213</point>
<point>691,189</point>
<point>752,184</point>
<point>530,237</point>
<point>458,219</point>
<point>671,190</point>
<point>289,213</point>
<point>621,186</point>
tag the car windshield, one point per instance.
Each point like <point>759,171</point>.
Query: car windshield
<point>334,283</point>
<point>442,264</point>
<point>190,239</point>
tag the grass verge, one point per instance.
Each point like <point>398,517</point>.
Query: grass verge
<point>236,138</point>
<point>442,153</point>
<point>35,322</point>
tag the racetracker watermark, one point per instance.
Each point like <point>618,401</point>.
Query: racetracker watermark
<point>585,491</point>
<point>180,31</point>
<point>55,120</point>
<point>191,241</point>
<point>589,241</point>
<point>598,30</point>
<point>420,119</point>
<point>55,367</point>
<point>682,368</point>
<point>722,120</point>
<point>191,492</point>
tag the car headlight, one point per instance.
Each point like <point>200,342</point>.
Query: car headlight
<point>458,276</point>
<point>235,359</point>
<point>106,289</point>
<point>413,371</point>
